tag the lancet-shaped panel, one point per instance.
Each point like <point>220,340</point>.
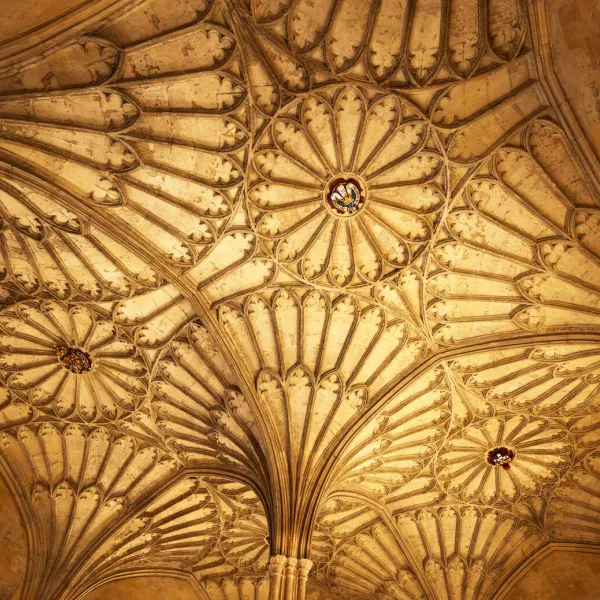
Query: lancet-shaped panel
<point>131,152</point>
<point>549,381</point>
<point>401,440</point>
<point>198,407</point>
<point>394,42</point>
<point>466,551</point>
<point>318,361</point>
<point>357,555</point>
<point>518,254</point>
<point>76,484</point>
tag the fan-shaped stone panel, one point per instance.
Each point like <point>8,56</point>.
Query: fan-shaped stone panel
<point>379,145</point>
<point>112,151</point>
<point>517,254</point>
<point>71,362</point>
<point>198,407</point>
<point>465,551</point>
<point>76,483</point>
<point>305,203</point>
<point>401,440</point>
<point>319,360</point>
<point>357,554</point>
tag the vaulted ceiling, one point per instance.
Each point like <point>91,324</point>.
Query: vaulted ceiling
<point>277,277</point>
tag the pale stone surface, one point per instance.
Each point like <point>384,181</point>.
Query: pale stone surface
<point>13,546</point>
<point>145,588</point>
<point>561,574</point>
<point>23,16</point>
<point>326,260</point>
<point>575,42</point>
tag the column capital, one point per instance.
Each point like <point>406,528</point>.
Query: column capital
<point>277,563</point>
<point>288,577</point>
<point>304,566</point>
<point>276,566</point>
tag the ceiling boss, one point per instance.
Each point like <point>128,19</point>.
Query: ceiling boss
<point>345,195</point>
<point>75,360</point>
<point>500,457</point>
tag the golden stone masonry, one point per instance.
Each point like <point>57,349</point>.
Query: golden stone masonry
<point>300,300</point>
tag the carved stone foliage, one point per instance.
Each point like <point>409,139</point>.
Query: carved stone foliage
<point>282,277</point>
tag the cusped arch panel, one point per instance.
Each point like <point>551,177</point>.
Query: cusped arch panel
<point>358,555</point>
<point>384,147</point>
<point>322,248</point>
<point>518,254</point>
<point>102,504</point>
<point>102,154</point>
<point>198,407</point>
<point>71,362</point>
<point>363,550</point>
<point>393,42</point>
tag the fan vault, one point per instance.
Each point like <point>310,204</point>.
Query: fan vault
<point>284,283</point>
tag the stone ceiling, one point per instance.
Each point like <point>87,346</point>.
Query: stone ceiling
<point>211,353</point>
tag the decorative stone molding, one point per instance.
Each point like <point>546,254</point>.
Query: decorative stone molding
<point>288,577</point>
<point>275,279</point>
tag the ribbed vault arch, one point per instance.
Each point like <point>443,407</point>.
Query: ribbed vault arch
<point>260,358</point>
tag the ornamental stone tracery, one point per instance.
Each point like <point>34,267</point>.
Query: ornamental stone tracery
<point>297,299</point>
<point>383,149</point>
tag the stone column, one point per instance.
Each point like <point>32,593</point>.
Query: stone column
<point>290,578</point>
<point>304,566</point>
<point>292,586</point>
<point>277,565</point>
